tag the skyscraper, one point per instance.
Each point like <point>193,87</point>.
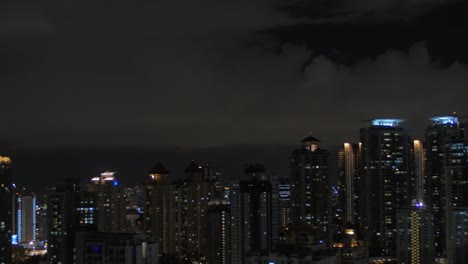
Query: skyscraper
<point>195,193</point>
<point>447,174</point>
<point>6,205</point>
<point>254,214</point>
<point>310,194</point>
<point>284,200</point>
<point>26,222</point>
<point>349,165</point>
<point>160,211</point>
<point>110,202</point>
<point>386,149</point>
<point>218,230</point>
<point>415,236</point>
<point>68,209</point>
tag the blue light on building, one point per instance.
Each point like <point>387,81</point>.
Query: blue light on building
<point>14,239</point>
<point>445,120</point>
<point>387,122</point>
<point>96,249</point>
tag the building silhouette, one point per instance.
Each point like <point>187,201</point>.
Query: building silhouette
<point>254,213</point>
<point>349,163</point>
<point>218,230</point>
<point>26,217</point>
<point>68,209</point>
<point>310,189</point>
<point>110,205</point>
<point>160,212</point>
<point>6,205</point>
<point>194,195</point>
<point>386,151</point>
<point>446,171</point>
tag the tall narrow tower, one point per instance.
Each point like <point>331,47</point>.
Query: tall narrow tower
<point>349,165</point>
<point>195,193</point>
<point>6,217</point>
<point>160,212</point>
<point>256,216</point>
<point>447,174</point>
<point>218,230</point>
<point>27,217</point>
<point>310,194</point>
<point>386,150</point>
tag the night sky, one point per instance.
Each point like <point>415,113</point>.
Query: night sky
<point>93,85</point>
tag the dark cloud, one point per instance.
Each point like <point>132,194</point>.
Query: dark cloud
<point>332,11</point>
<point>199,73</point>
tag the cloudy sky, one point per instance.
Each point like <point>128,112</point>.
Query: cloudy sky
<point>214,73</point>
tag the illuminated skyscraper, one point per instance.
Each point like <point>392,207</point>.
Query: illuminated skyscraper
<point>419,179</point>
<point>6,205</point>
<point>415,234</point>
<point>195,193</point>
<point>447,174</point>
<point>386,150</point>
<point>349,165</point>
<point>310,194</point>
<point>26,221</point>
<point>110,202</point>
<point>160,212</point>
<point>218,230</point>
<point>284,197</point>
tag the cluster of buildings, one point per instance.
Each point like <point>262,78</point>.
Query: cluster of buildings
<point>395,200</point>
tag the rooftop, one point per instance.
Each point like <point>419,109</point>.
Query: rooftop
<point>388,122</point>
<point>310,139</point>
<point>444,120</point>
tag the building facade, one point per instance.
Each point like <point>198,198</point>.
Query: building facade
<point>386,159</point>
<point>446,171</point>
<point>310,189</point>
<point>160,212</point>
<point>6,205</point>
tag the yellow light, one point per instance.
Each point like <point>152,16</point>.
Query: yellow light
<point>5,160</point>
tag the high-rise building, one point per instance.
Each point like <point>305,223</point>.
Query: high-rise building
<point>310,194</point>
<point>236,221</point>
<point>41,217</point>
<point>26,218</point>
<point>415,238</point>
<point>111,212</point>
<point>160,213</point>
<point>195,193</point>
<point>218,230</point>
<point>284,197</point>
<point>349,189</point>
<point>253,214</point>
<point>415,235</point>
<point>6,206</point>
<point>68,209</point>
<point>386,151</point>
<point>446,171</point>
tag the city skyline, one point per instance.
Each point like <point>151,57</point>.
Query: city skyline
<point>132,163</point>
<point>234,132</point>
<point>396,199</point>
